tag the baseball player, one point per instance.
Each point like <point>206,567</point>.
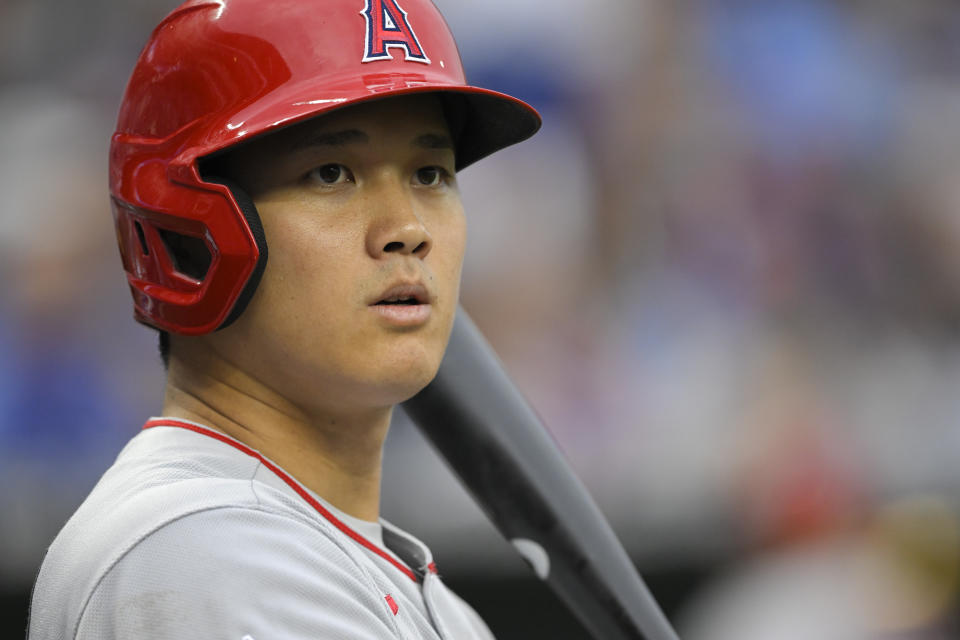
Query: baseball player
<point>330,132</point>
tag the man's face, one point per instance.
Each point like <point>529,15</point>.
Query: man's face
<point>366,234</point>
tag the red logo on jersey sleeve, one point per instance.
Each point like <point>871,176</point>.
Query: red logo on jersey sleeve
<point>393,604</point>
<point>387,26</point>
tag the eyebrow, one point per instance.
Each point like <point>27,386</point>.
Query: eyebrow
<point>433,141</point>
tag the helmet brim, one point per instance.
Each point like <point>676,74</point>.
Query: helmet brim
<point>491,121</point>
<point>487,120</point>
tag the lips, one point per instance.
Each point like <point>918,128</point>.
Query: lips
<point>404,294</point>
<point>404,305</point>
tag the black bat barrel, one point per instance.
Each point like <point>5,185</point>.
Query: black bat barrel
<point>495,443</point>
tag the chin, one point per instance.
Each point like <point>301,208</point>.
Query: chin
<point>405,376</point>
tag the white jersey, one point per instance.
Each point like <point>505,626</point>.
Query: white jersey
<point>192,534</point>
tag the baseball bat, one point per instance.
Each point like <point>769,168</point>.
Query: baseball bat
<point>476,418</point>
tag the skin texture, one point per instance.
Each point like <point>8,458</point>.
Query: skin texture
<point>352,203</point>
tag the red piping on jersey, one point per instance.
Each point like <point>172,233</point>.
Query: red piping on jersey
<point>293,484</point>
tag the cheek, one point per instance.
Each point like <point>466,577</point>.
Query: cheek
<point>450,240</point>
<point>310,266</point>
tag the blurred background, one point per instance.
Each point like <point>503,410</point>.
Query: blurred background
<point>726,273</point>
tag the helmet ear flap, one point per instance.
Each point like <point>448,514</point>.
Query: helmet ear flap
<point>252,216</point>
<point>189,254</point>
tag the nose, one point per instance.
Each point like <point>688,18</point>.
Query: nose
<point>398,229</point>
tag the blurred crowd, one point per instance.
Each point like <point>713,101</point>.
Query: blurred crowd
<point>726,273</point>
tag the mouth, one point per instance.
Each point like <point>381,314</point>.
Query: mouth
<point>404,295</point>
<point>400,301</point>
<point>403,305</point>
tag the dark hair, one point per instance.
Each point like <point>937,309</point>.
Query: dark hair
<point>164,346</point>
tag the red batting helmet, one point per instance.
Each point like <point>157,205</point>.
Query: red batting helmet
<point>216,73</point>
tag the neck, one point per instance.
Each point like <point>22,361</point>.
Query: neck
<point>336,453</point>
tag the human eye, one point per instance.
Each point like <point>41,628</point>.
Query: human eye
<point>328,175</point>
<point>431,176</point>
